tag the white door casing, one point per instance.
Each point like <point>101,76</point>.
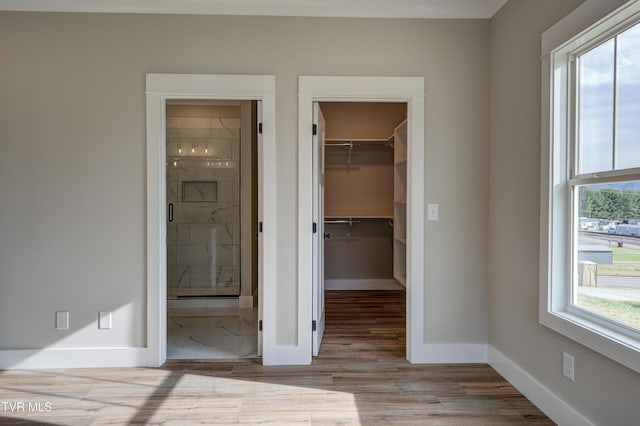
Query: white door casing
<point>159,89</point>
<point>358,89</point>
<point>318,220</point>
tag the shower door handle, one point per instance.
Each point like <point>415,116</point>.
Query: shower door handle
<point>170,215</point>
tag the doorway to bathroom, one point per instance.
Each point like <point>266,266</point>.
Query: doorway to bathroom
<point>212,222</point>
<point>161,91</point>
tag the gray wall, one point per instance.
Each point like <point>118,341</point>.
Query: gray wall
<point>604,391</point>
<point>72,167</point>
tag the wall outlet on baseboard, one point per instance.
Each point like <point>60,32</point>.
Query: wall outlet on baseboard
<point>568,368</point>
<point>62,320</point>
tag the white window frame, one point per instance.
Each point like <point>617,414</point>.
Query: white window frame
<point>617,342</point>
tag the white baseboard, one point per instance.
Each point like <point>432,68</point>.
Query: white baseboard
<point>549,403</point>
<point>245,302</point>
<point>72,358</point>
<point>360,284</point>
<point>462,353</point>
<point>287,355</point>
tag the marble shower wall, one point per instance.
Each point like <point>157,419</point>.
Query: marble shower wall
<point>203,184</point>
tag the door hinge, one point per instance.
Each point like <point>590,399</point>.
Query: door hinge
<point>260,128</point>
<point>315,227</point>
<point>260,227</point>
<point>314,326</point>
<point>314,131</point>
<point>260,325</point>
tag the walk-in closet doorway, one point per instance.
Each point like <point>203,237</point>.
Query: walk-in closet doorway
<point>361,194</point>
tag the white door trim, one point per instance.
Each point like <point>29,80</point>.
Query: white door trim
<point>160,88</point>
<point>370,89</point>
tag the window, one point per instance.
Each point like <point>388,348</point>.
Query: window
<point>605,187</point>
<point>590,282</point>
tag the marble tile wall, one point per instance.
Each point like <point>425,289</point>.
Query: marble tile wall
<point>203,241</point>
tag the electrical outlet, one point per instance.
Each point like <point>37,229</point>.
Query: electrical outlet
<point>568,369</point>
<point>62,320</point>
<point>104,320</point>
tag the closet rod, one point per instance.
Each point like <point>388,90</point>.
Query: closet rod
<point>378,141</point>
<point>344,221</point>
<point>349,144</point>
<point>349,222</point>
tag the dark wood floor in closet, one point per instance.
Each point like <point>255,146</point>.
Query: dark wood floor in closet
<point>365,325</point>
<point>360,377</point>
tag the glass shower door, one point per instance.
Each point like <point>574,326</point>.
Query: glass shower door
<point>203,200</point>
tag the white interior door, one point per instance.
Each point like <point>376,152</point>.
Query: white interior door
<point>318,236</point>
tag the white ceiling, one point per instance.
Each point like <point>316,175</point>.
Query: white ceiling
<point>327,8</point>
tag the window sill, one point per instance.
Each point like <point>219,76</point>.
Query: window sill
<point>616,346</point>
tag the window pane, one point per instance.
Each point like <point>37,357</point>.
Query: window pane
<point>595,109</point>
<point>628,99</point>
<point>608,252</point>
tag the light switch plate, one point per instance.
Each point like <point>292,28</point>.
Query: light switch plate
<point>433,212</point>
<point>104,320</point>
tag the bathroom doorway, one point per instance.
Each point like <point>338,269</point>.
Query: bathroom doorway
<point>212,222</point>
<point>164,88</point>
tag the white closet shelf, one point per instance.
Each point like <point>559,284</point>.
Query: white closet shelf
<point>400,203</point>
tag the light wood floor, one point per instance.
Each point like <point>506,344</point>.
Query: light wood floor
<point>360,377</point>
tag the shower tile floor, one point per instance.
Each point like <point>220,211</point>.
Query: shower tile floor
<point>206,333</point>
